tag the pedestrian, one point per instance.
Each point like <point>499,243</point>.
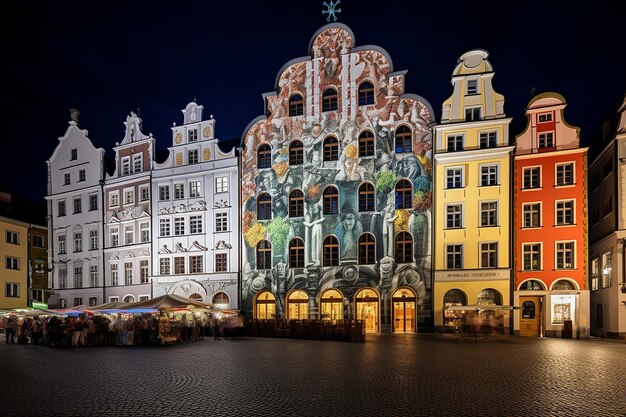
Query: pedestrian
<point>11,329</point>
<point>217,328</point>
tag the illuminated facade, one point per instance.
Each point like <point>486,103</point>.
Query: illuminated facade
<point>550,223</point>
<point>336,192</point>
<point>14,268</point>
<point>472,198</point>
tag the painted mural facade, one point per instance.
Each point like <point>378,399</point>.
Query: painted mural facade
<point>337,192</point>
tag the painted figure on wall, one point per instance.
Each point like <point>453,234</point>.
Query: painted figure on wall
<point>348,232</point>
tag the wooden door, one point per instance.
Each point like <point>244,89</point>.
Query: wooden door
<point>530,316</point>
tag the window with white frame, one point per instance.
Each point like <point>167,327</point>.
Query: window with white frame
<point>78,205</point>
<point>164,227</point>
<point>81,175</point>
<point>565,255</point>
<point>78,276</point>
<point>488,140</point>
<point>192,156</point>
<point>39,241</point>
<point>489,255</point>
<point>12,263</point>
<point>454,256</point>
<point>489,213</point>
<point>546,140</point>
<point>12,289</point>
<point>129,197</point>
<point>455,143</point>
<point>62,278</point>
<point>472,87</point>
<point>115,277</point>
<point>126,165</point>
<point>454,177</point>
<point>93,202</point>
<point>78,241</point>
<point>564,212</point>
<point>221,184</point>
<point>66,178</point>
<point>114,199</point>
<point>545,117</point>
<point>532,177</point>
<point>454,216</point>
<point>221,262</point>
<point>144,193</point>
<point>565,174</point>
<point>179,265</point>
<point>93,239</point>
<point>144,297</point>
<point>164,193</point>
<point>179,191</point>
<point>606,270</point>
<point>144,231</point>
<point>192,135</point>
<point>488,175</point>
<point>143,271</point>
<point>128,235</point>
<point>93,275</point>
<point>532,214</point>
<point>114,299</point>
<point>195,224</point>
<point>195,264</point>
<point>531,255</point>
<point>138,162</point>
<point>472,114</point>
<point>11,237</point>
<point>164,266</point>
<point>128,273</point>
<point>221,222</point>
<point>61,208</point>
<point>194,189</point>
<point>62,246</point>
<point>179,226</point>
<point>595,273</point>
<point>115,237</point>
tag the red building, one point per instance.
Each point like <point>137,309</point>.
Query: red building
<point>550,211</point>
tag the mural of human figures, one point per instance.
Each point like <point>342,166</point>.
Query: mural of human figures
<point>336,192</point>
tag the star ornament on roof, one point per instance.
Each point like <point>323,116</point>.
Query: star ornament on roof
<point>331,10</point>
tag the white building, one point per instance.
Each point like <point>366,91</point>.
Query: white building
<point>127,227</point>
<point>75,178</point>
<point>195,201</point>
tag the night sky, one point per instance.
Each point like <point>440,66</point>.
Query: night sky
<point>111,58</point>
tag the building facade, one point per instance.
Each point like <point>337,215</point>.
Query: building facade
<point>38,265</point>
<point>74,199</point>
<point>607,236</point>
<point>550,192</point>
<point>128,217</point>
<point>472,247</point>
<point>336,192</point>
<point>14,269</point>
<point>195,204</point>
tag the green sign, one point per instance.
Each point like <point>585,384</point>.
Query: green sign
<point>40,305</point>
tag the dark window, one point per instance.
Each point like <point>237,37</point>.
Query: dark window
<point>367,245</point>
<point>403,139</point>
<point>531,285</point>
<point>528,310</point>
<point>264,207</point>
<point>331,149</point>
<point>265,156</point>
<point>366,94</point>
<point>331,251</point>
<point>366,144</point>
<point>404,248</point>
<point>472,114</point>
<point>331,200</point>
<point>404,191</point>
<point>296,253</point>
<point>296,105</point>
<point>296,204</point>
<point>264,255</point>
<point>488,140</point>
<point>296,153</point>
<point>546,140</point>
<point>366,197</point>
<point>329,100</point>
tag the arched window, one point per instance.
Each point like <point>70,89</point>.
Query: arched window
<point>329,100</point>
<point>367,246</point>
<point>129,299</point>
<point>265,306</point>
<point>331,251</point>
<point>404,248</point>
<point>296,153</point>
<point>403,139</point>
<point>296,253</point>
<point>366,93</point>
<point>366,143</point>
<point>296,204</point>
<point>264,207</point>
<point>404,194</point>
<point>489,296</point>
<point>264,255</point>
<point>455,297</point>
<point>331,200</point>
<point>264,154</point>
<point>331,149</point>
<point>331,303</point>
<point>298,306</point>
<point>532,285</point>
<point>563,284</point>
<point>366,197</point>
<point>296,105</point>
<point>221,300</point>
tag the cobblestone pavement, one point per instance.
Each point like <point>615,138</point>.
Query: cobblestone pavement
<point>388,375</point>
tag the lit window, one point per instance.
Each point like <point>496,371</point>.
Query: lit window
<point>221,184</point>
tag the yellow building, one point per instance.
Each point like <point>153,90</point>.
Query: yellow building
<point>14,267</point>
<point>472,240</point>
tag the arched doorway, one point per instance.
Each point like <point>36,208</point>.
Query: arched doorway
<point>265,306</point>
<point>367,309</point>
<point>221,300</point>
<point>298,306</point>
<point>403,311</point>
<point>491,317</point>
<point>531,303</point>
<point>331,305</point>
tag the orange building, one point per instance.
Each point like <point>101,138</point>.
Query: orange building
<point>550,239</point>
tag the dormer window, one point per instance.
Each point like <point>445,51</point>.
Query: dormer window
<point>74,155</point>
<point>329,100</point>
<point>545,117</point>
<point>137,162</point>
<point>546,140</point>
<point>126,166</point>
<point>366,94</point>
<point>296,105</point>
<point>192,135</point>
<point>472,114</point>
<point>472,87</point>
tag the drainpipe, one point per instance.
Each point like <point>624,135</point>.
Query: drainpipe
<point>240,227</point>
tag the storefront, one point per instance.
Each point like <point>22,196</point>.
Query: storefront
<point>404,311</point>
<point>298,306</point>
<point>331,305</point>
<point>367,305</point>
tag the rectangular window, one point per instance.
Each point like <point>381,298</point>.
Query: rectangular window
<point>129,197</point>
<point>194,189</point>
<point>128,273</point>
<point>37,295</point>
<point>164,193</point>
<point>115,277</point>
<point>143,271</point>
<point>532,215</point>
<point>39,266</point>
<point>93,275</point>
<point>145,193</point>
<point>532,177</point>
<point>62,247</point>
<point>12,263</point>
<point>221,222</point>
<point>221,262</point>
<point>489,255</point>
<point>489,213</point>
<point>192,156</point>
<point>93,301</point>
<point>606,270</point>
<point>454,178</point>
<point>595,273</point>
<point>546,140</point>
<point>564,255</point>
<point>144,229</point>
<point>66,178</point>
<point>472,87</point>
<point>93,239</point>
<point>179,226</point>
<point>114,199</point>
<point>38,241</point>
<point>564,212</point>
<point>531,254</point>
<point>11,237</point>
<point>78,277</point>
<point>115,237</point>
<point>78,205</point>
<point>93,202</point>
<point>164,227</point>
<point>61,206</point>
<point>488,175</point>
<point>78,241</point>
<point>565,174</point>
<point>488,140</point>
<point>195,264</point>
<point>138,162</point>
<point>78,301</point>
<point>164,266</point>
<point>545,117</point>
<point>144,297</point>
<point>454,256</point>
<point>221,184</point>
<point>454,216</point>
<point>73,154</point>
<point>126,165</point>
<point>179,265</point>
<point>12,289</point>
<point>472,114</point>
<point>192,135</point>
<point>129,235</point>
<point>195,224</point>
<point>62,278</point>
<point>455,143</point>
<point>179,191</point>
<point>81,175</point>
